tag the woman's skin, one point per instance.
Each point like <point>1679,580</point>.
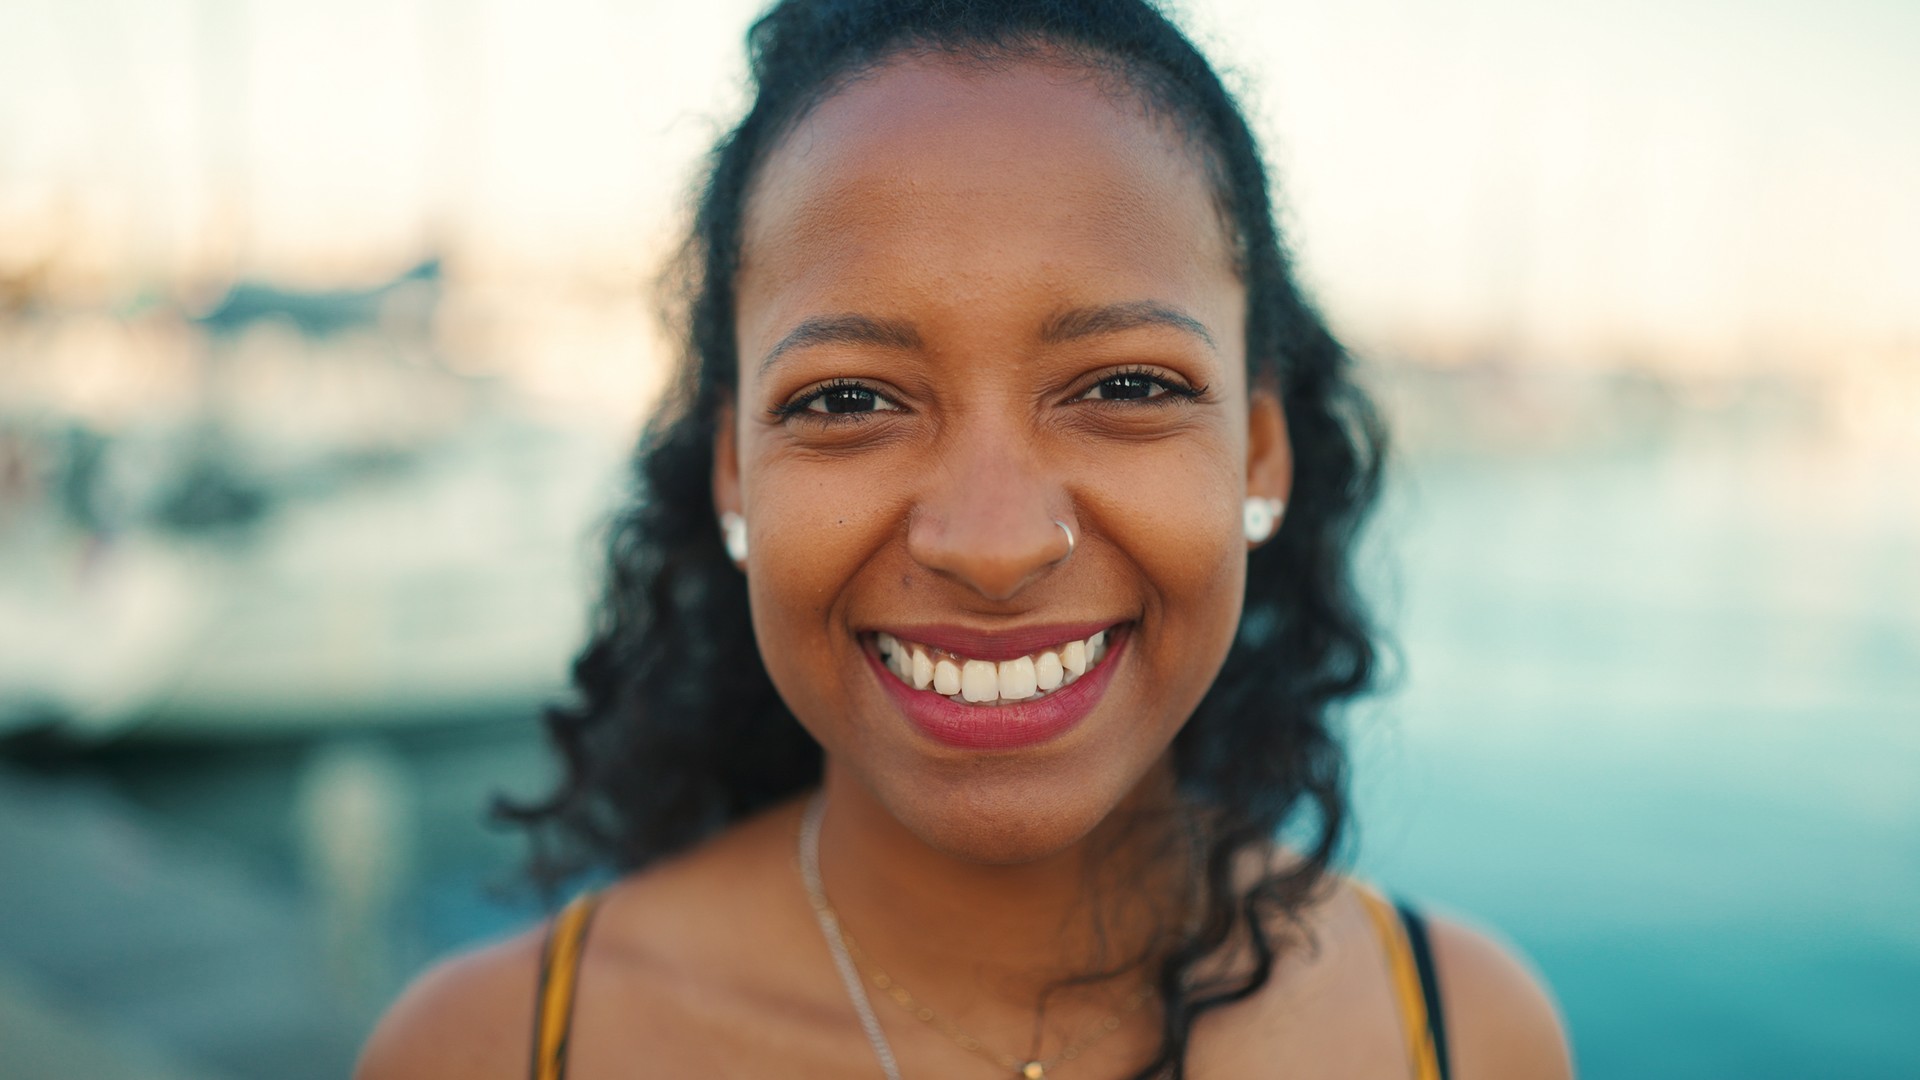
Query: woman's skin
<point>1017,281</point>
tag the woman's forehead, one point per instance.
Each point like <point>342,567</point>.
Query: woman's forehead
<point>931,175</point>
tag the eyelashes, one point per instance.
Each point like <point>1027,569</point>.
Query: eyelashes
<point>852,400</point>
<point>1142,384</point>
<point>837,400</point>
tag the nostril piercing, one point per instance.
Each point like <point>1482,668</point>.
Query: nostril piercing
<point>1065,529</point>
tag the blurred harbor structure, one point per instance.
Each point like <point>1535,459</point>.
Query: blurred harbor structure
<point>325,332</point>
<point>311,522</point>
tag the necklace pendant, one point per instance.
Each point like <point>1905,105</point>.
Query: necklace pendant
<point>1033,1070</point>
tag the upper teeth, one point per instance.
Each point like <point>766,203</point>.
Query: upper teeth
<point>984,682</point>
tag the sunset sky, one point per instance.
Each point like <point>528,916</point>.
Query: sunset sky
<point>1692,182</point>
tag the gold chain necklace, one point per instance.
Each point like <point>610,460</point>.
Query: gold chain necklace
<point>1035,1069</point>
<point>845,951</point>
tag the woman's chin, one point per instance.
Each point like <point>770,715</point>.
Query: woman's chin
<point>1001,823</point>
<point>1003,840</point>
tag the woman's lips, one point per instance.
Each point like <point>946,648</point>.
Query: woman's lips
<point>994,724</point>
<point>996,644</point>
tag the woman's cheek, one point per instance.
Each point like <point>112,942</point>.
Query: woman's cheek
<point>813,524</point>
<point>1175,518</point>
<point>1175,508</point>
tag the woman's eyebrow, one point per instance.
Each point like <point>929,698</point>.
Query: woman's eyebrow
<point>1068,325</point>
<point>843,330</point>
<point>1114,318</point>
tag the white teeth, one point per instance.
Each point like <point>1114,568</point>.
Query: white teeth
<point>894,654</point>
<point>1047,671</point>
<point>946,678</point>
<point>979,681</point>
<point>1017,679</point>
<point>1073,657</point>
<point>983,682</point>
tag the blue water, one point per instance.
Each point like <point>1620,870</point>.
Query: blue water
<point>1660,725</point>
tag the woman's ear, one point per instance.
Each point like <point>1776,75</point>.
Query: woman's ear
<point>1269,450</point>
<point>726,462</point>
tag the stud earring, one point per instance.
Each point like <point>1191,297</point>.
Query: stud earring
<point>1261,517</point>
<point>733,531</point>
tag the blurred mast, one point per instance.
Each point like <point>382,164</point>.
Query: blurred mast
<point>453,45</point>
<point>223,83</point>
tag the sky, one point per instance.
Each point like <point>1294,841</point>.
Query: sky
<point>1690,184</point>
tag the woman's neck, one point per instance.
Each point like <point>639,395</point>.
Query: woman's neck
<point>952,928</point>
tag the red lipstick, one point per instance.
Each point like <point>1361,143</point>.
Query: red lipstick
<point>996,644</point>
<point>1010,726</point>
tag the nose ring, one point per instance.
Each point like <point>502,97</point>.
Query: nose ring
<point>1069,532</point>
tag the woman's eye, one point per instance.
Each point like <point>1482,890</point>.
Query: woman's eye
<point>840,399</point>
<point>1127,388</point>
<point>1137,386</point>
<point>848,399</point>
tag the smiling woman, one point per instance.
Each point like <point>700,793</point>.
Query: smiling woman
<point>959,577</point>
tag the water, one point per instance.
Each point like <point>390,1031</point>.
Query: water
<point>1656,724</point>
<point>1661,727</point>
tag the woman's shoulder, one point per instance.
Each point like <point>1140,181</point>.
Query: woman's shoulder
<point>1501,1020</point>
<point>1498,1018</point>
<point>467,1016</point>
<point>654,934</point>
<point>1353,983</point>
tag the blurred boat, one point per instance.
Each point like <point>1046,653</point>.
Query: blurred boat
<point>323,313</point>
<point>339,532</point>
<point>449,588</point>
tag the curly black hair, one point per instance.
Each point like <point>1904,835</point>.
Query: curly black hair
<point>673,736</point>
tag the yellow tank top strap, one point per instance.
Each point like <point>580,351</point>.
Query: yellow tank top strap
<point>1404,974</point>
<point>559,973</point>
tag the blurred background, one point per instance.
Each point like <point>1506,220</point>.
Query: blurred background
<point>324,330</point>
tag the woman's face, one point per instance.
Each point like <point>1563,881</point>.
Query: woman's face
<point>976,306</point>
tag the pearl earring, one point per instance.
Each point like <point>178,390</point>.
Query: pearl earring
<point>733,530</point>
<point>1261,517</point>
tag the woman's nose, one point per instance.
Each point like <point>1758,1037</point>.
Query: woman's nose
<point>992,518</point>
